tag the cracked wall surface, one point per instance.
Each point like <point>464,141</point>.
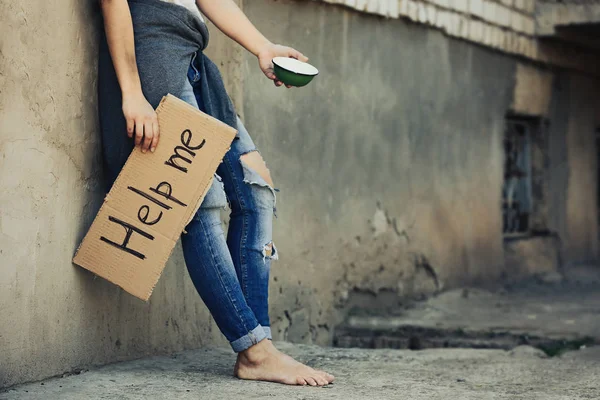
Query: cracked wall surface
<point>389,165</point>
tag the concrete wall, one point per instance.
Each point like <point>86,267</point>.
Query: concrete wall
<point>581,236</point>
<point>389,165</point>
<point>56,317</point>
<point>572,169</point>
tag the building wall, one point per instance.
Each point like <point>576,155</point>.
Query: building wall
<point>57,317</point>
<point>509,26</point>
<point>581,236</point>
<point>572,177</point>
<point>565,167</point>
<point>389,165</point>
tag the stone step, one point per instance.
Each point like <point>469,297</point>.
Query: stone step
<point>562,315</point>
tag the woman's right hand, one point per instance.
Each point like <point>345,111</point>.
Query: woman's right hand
<point>142,121</point>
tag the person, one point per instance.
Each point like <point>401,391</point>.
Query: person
<point>153,47</point>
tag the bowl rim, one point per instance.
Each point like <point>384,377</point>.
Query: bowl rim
<point>294,72</point>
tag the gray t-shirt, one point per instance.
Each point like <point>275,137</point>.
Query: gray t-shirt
<point>189,4</point>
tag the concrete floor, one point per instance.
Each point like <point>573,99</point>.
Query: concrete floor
<point>555,308</point>
<point>523,373</point>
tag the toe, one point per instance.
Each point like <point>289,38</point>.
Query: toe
<point>326,376</point>
<point>300,381</point>
<point>310,381</point>
<point>320,380</point>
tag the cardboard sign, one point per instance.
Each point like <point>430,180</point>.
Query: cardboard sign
<point>154,198</point>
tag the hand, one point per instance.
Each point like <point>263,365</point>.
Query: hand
<point>142,121</point>
<point>270,51</point>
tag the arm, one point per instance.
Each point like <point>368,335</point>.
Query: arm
<point>228,17</point>
<point>139,114</point>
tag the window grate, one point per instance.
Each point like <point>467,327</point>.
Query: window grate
<point>516,191</point>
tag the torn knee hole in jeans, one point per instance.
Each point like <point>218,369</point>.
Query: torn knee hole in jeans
<point>270,252</point>
<point>256,172</point>
<point>215,197</point>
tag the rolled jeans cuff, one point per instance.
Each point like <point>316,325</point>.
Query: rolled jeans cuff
<point>250,339</point>
<point>267,330</point>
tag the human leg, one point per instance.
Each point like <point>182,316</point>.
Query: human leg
<point>252,198</point>
<point>249,188</point>
<point>211,268</point>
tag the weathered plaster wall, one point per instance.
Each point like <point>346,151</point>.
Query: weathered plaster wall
<point>533,91</point>
<point>54,316</point>
<point>572,169</point>
<point>558,168</point>
<point>581,238</point>
<point>389,163</point>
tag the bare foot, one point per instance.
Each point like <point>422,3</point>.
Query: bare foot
<point>263,362</point>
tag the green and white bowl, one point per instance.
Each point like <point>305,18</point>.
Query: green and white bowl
<point>293,72</point>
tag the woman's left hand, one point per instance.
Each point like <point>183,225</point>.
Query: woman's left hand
<point>270,51</point>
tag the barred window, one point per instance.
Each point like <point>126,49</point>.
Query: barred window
<point>516,191</point>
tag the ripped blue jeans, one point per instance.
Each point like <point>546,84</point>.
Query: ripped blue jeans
<point>231,273</point>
